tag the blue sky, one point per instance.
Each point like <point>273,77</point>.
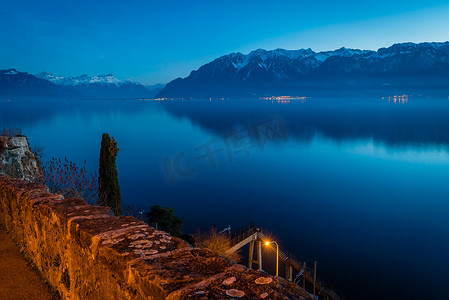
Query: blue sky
<point>157,41</point>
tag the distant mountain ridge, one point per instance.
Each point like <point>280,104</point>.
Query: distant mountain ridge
<point>84,80</point>
<point>15,83</point>
<point>100,86</point>
<point>404,66</point>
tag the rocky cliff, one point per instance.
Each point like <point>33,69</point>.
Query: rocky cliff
<point>17,160</point>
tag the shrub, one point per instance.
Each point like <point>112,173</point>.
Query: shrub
<point>216,242</point>
<point>66,178</point>
<point>10,132</point>
<point>165,220</point>
<point>129,210</point>
<point>38,151</point>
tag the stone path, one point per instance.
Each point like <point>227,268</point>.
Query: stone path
<point>18,280</point>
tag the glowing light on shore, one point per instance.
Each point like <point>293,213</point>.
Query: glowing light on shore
<point>396,99</point>
<point>284,99</point>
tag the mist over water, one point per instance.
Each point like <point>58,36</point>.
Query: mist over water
<point>360,185</point>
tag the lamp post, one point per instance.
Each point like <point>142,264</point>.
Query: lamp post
<point>277,255</point>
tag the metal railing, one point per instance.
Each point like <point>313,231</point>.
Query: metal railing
<point>242,230</point>
<point>249,229</point>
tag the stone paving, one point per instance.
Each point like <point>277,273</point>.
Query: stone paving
<point>18,280</point>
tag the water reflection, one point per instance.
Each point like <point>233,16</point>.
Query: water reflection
<point>23,112</point>
<point>420,123</point>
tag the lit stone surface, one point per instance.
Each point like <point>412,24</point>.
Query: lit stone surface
<point>235,293</point>
<point>263,280</point>
<point>229,281</point>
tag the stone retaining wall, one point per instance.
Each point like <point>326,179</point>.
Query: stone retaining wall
<point>85,253</point>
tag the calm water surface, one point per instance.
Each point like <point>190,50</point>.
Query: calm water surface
<point>360,185</point>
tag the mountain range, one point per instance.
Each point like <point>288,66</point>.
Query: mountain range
<point>15,83</point>
<point>402,67</point>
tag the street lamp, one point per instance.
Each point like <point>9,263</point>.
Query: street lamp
<point>277,255</point>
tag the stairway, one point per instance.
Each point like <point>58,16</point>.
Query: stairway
<point>249,230</point>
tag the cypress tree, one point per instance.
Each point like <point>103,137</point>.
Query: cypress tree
<point>108,176</point>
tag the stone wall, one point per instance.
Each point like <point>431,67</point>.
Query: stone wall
<point>85,253</point>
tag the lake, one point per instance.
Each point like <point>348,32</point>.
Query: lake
<point>360,185</point>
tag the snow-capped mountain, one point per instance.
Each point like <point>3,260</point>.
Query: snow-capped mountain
<point>261,72</point>
<point>13,82</point>
<point>83,80</point>
<point>100,86</point>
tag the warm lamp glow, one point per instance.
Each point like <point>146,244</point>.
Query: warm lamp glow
<point>267,243</point>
